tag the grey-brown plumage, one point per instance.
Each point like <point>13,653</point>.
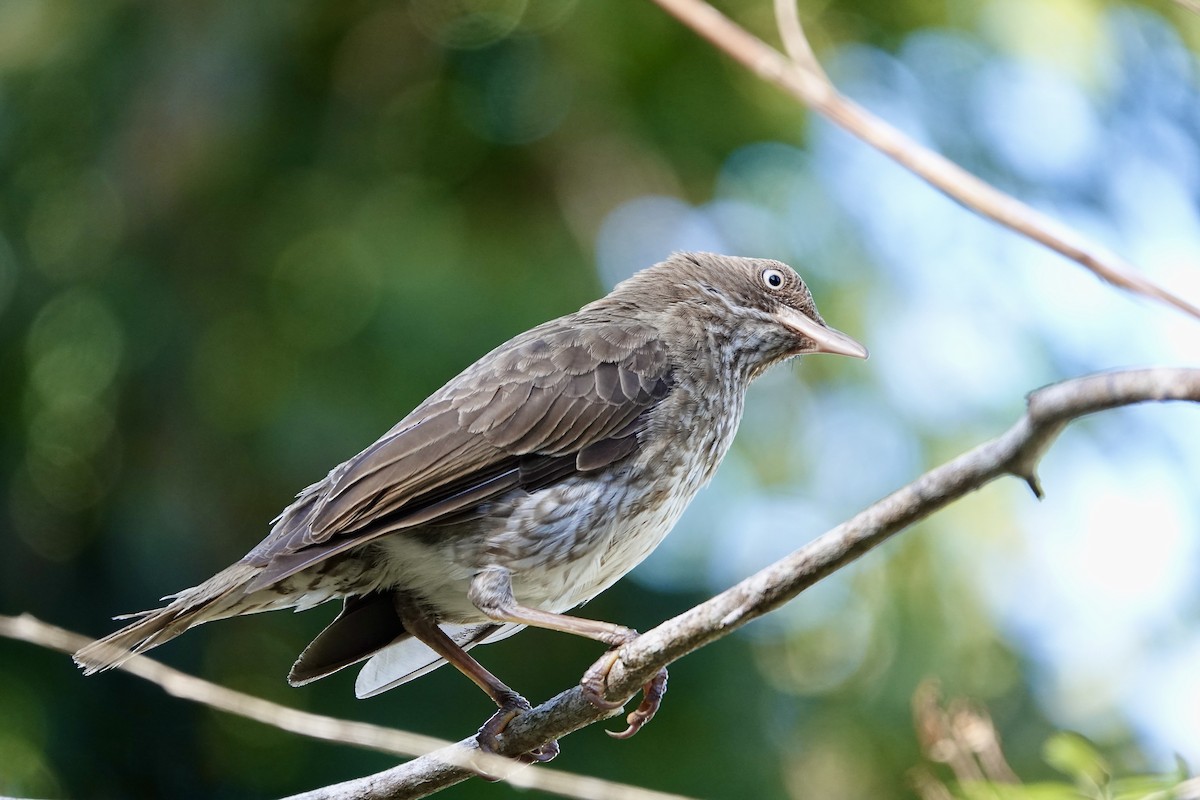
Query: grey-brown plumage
<point>525,486</point>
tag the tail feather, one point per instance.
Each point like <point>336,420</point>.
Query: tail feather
<point>218,597</point>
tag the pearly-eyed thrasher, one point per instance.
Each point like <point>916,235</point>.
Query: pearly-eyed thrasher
<point>522,488</point>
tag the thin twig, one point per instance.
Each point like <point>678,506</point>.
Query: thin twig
<point>1191,5</point>
<point>316,726</point>
<point>813,89</point>
<point>1015,452</point>
<point>791,31</point>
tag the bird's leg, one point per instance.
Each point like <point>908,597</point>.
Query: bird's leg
<point>492,593</point>
<point>509,702</point>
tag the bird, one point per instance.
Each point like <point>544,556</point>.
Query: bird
<point>521,489</point>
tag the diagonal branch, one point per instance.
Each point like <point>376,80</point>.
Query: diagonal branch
<point>801,77</point>
<point>395,742</point>
<point>1015,452</point>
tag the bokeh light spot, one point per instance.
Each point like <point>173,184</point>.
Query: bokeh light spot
<point>1039,122</point>
<point>72,229</point>
<point>510,95</point>
<point>467,23</point>
<point>239,375</point>
<point>32,31</point>
<point>646,230</point>
<point>74,347</point>
<point>325,289</point>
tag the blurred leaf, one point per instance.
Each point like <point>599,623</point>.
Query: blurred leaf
<point>1074,755</point>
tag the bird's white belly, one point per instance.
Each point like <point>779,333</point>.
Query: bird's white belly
<point>565,544</point>
<point>567,557</point>
<point>608,558</point>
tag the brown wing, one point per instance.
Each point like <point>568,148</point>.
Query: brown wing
<point>569,396</point>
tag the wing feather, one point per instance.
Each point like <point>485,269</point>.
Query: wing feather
<point>568,396</point>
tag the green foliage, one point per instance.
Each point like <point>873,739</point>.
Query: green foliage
<point>1091,777</point>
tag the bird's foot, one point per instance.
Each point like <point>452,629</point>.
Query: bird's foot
<point>652,695</point>
<point>594,683</point>
<point>488,736</point>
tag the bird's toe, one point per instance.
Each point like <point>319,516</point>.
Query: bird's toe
<point>595,685</point>
<point>488,736</point>
<point>595,682</point>
<point>652,695</point>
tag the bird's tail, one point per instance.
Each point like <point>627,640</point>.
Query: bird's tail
<point>220,596</point>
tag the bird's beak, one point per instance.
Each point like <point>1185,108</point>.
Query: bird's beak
<point>826,339</point>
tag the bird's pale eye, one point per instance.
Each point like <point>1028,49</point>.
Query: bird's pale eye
<point>773,278</point>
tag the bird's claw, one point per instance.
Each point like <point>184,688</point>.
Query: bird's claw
<point>595,679</point>
<point>540,755</point>
<point>593,685</point>
<point>652,695</point>
<point>488,735</point>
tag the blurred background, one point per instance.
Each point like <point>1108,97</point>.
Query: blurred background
<point>238,241</point>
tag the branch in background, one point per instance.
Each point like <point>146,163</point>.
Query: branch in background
<point>1191,5</point>
<point>1016,452</point>
<point>802,77</point>
<point>960,735</point>
<point>791,31</point>
<point>26,628</point>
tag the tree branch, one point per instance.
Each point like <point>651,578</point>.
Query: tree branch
<point>791,31</point>
<point>1016,452</point>
<point>803,78</point>
<point>395,742</point>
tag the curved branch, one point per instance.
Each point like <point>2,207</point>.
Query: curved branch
<point>801,77</point>
<point>1016,452</point>
<point>791,31</point>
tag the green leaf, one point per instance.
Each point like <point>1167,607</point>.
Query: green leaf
<point>1074,755</point>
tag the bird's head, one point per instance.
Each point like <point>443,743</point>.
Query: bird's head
<point>761,307</point>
